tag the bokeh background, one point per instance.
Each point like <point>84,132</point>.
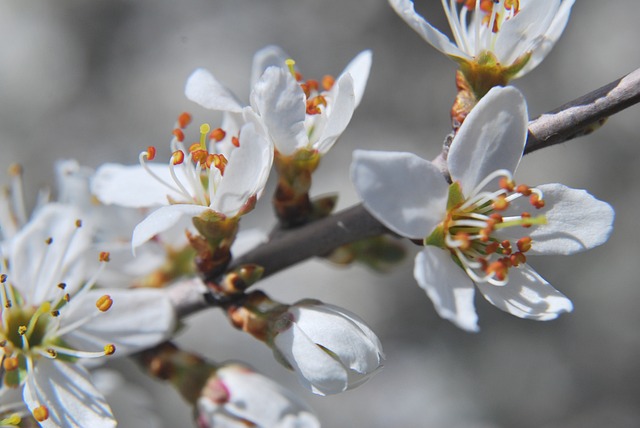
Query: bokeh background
<point>101,80</point>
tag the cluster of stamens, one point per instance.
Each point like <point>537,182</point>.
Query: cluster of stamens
<point>201,164</point>
<point>29,332</point>
<point>495,11</point>
<point>470,229</point>
<point>316,100</point>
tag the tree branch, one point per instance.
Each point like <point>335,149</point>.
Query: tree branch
<point>583,115</point>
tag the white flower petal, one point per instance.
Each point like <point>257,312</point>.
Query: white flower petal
<point>204,89</point>
<point>342,337</point>
<point>258,399</point>
<point>36,268</point>
<point>435,38</point>
<point>280,102</point>
<point>403,191</point>
<point>360,323</point>
<point>316,370</point>
<point>359,68</point>
<point>550,38</point>
<point>576,221</point>
<point>162,220</point>
<point>132,186</point>
<point>246,173</point>
<point>492,137</point>
<point>521,33</point>
<point>70,397</point>
<point>339,114</point>
<point>527,295</point>
<point>269,56</point>
<point>448,287</point>
<point>138,319</point>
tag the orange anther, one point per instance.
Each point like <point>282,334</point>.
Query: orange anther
<point>104,303</point>
<point>497,218</point>
<point>109,349</point>
<point>463,239</point>
<point>491,248</point>
<point>217,134</point>
<point>327,82</point>
<point>517,259</point>
<point>10,363</point>
<point>298,76</point>
<point>500,203</point>
<point>40,413</point>
<point>525,215</point>
<point>535,200</point>
<point>177,132</point>
<point>507,184</point>
<point>313,85</point>
<point>177,157</point>
<point>151,153</point>
<point>524,244</point>
<point>184,119</point>
<point>235,141</point>
<point>523,189</point>
<point>498,269</point>
<point>104,256</point>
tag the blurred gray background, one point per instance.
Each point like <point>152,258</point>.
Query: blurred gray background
<point>101,80</point>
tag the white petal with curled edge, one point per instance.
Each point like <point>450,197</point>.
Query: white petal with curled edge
<point>70,397</point>
<point>163,219</point>
<point>403,191</point>
<point>520,33</point>
<point>359,68</point>
<point>269,56</point>
<point>549,39</point>
<point>203,88</point>
<point>434,37</point>
<point>576,221</point>
<point>280,102</point>
<point>527,295</point>
<point>341,336</point>
<point>448,286</point>
<point>132,186</point>
<point>138,319</point>
<point>492,137</point>
<point>339,115</point>
<point>360,323</point>
<point>246,173</point>
<point>316,370</point>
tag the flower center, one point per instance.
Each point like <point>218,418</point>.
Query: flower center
<point>316,100</point>
<point>195,170</point>
<point>474,229</point>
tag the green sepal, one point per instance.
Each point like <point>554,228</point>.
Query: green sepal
<point>436,238</point>
<point>456,198</point>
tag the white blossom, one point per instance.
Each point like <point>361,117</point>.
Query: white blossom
<point>51,319</point>
<point>510,30</point>
<point>482,228</point>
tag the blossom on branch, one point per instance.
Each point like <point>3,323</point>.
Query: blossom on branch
<point>513,36</point>
<point>235,396</point>
<point>51,319</point>
<point>482,227</point>
<point>200,179</point>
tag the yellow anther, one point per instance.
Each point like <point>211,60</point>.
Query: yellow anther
<point>22,330</point>
<point>15,170</point>
<point>104,303</point>
<point>10,363</point>
<point>78,223</point>
<point>41,413</point>
<point>62,286</point>
<point>52,353</point>
<point>48,241</point>
<point>3,278</point>
<point>290,65</point>
<point>109,349</point>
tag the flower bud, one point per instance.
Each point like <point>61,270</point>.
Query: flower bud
<point>237,397</point>
<point>329,348</point>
